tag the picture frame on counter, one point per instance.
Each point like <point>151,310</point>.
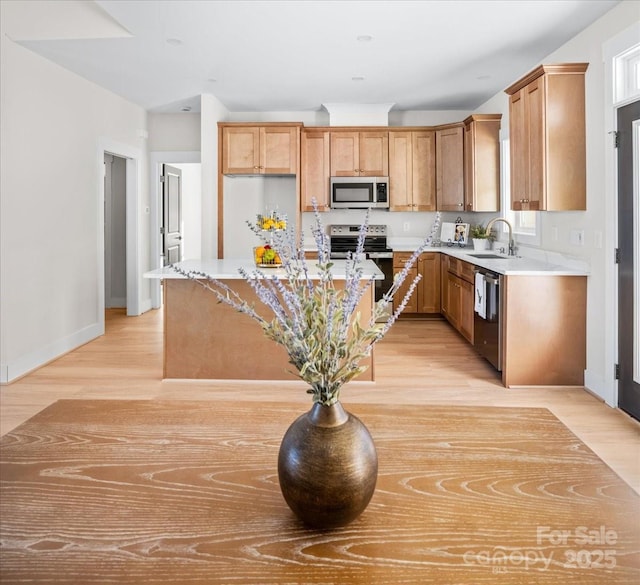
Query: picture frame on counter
<point>454,233</point>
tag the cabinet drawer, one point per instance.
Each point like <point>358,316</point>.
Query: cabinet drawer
<point>400,258</point>
<point>464,270</point>
<point>467,271</point>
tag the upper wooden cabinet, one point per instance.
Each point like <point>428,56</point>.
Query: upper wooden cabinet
<point>547,139</point>
<point>412,166</point>
<point>314,169</point>
<point>360,154</point>
<point>450,168</point>
<point>482,162</point>
<point>260,149</point>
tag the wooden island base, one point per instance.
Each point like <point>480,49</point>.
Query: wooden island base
<point>205,339</point>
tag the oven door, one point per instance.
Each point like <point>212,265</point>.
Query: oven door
<point>384,261</point>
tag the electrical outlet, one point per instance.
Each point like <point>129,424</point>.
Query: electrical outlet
<point>554,233</point>
<point>406,226</point>
<point>577,237</point>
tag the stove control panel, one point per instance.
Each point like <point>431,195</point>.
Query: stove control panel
<point>353,230</point>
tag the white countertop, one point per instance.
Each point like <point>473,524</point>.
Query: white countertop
<point>548,264</point>
<point>228,269</point>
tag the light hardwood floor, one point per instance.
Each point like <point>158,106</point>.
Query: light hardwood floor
<point>418,362</point>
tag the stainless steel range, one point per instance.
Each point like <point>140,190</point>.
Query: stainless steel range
<point>344,239</point>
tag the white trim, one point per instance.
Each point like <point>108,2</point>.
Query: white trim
<point>636,252</point>
<point>133,181</point>
<point>43,355</point>
<point>607,388</point>
<point>156,159</point>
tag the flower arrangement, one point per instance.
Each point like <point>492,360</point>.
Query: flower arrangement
<point>317,322</point>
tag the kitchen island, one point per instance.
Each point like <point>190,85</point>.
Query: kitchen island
<point>205,339</point>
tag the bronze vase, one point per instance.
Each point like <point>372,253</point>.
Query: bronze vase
<point>327,466</point>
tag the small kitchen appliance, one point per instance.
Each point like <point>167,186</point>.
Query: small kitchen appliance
<point>359,192</point>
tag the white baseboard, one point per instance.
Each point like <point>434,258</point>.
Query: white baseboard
<point>38,358</point>
<point>117,303</point>
<point>598,386</point>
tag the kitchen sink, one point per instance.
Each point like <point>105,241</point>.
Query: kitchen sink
<point>491,256</point>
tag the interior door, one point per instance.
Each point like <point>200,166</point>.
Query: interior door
<point>171,214</point>
<point>628,277</point>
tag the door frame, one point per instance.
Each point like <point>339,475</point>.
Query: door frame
<point>133,158</point>
<point>156,160</point>
<point>612,49</point>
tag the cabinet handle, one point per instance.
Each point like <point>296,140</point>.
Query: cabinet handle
<point>460,204</point>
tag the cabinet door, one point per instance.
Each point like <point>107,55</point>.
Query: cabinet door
<point>465,324</point>
<point>423,155</point>
<point>400,171</point>
<point>314,175</point>
<point>444,285</point>
<point>450,169</point>
<point>482,164</point>
<point>453,300</point>
<point>412,305</point>
<point>241,150</point>
<point>536,123</point>
<point>345,154</point>
<point>519,149</point>
<point>278,151</point>
<point>374,154</point>
<point>429,285</point>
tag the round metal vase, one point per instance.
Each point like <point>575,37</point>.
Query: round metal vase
<point>327,467</point>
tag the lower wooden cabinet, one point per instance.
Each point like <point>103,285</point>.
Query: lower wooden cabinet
<point>426,297</point>
<point>458,296</point>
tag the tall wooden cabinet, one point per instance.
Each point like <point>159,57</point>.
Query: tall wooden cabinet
<point>482,162</point>
<point>249,149</point>
<point>547,139</point>
<point>412,177</point>
<point>314,169</point>
<point>360,154</point>
<point>450,168</point>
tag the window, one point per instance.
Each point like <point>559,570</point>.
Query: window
<point>526,224</point>
<point>627,75</point>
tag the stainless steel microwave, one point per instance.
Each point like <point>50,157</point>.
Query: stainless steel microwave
<point>359,192</point>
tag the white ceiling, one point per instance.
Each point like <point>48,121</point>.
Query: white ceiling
<point>296,55</point>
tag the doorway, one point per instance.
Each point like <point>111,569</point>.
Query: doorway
<point>115,232</point>
<point>171,230</point>
<point>629,251</point>
<point>188,164</point>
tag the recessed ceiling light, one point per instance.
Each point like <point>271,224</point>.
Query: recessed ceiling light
<point>483,77</point>
<point>185,109</point>
<point>212,80</point>
<point>173,41</point>
<point>364,38</point>
<point>357,78</point>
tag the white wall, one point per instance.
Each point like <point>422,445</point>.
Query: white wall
<point>52,123</point>
<point>174,132</point>
<point>588,47</point>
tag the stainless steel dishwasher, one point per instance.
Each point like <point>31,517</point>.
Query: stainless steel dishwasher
<point>487,332</point>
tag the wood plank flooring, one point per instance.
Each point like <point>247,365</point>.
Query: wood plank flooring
<point>418,362</point>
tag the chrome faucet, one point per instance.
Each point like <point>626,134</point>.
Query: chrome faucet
<point>512,243</point>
